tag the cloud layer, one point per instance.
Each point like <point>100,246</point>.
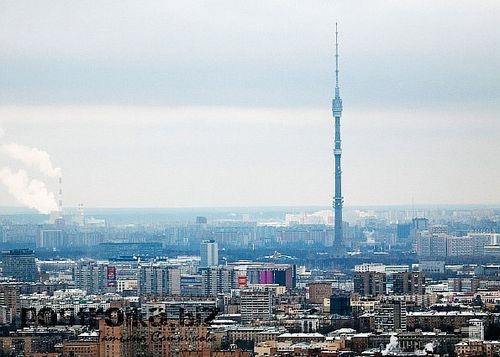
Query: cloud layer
<point>222,156</point>
<point>213,103</point>
<point>250,54</point>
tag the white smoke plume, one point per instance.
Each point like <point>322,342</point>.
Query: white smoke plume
<point>429,347</point>
<point>392,346</point>
<point>30,192</point>
<point>32,157</point>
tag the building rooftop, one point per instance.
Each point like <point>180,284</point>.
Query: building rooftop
<point>301,335</point>
<point>446,313</point>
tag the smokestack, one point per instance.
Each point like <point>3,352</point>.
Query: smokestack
<point>60,195</point>
<point>81,215</point>
<point>56,217</point>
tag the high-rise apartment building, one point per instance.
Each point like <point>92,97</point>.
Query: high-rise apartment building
<point>420,224</point>
<point>209,253</point>
<point>438,245</point>
<point>9,299</point>
<point>90,276</point>
<point>476,329</point>
<point>443,245</point>
<point>19,264</point>
<point>50,239</point>
<point>460,246</point>
<point>256,305</point>
<point>403,231</point>
<point>217,280</point>
<point>319,291</point>
<point>408,283</point>
<point>369,283</point>
<point>390,316</point>
<point>431,245</point>
<point>438,229</point>
<point>155,339</point>
<point>156,279</point>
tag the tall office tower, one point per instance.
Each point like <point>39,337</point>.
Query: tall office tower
<point>157,279</point>
<point>340,304</point>
<point>209,253</point>
<point>19,264</point>
<point>338,200</point>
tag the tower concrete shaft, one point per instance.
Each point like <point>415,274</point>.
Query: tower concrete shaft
<point>338,200</point>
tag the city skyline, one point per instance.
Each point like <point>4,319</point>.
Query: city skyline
<point>158,118</point>
<point>248,179</point>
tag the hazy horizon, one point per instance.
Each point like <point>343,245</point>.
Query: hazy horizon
<point>73,209</point>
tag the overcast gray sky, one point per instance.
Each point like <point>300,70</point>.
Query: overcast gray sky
<point>227,103</point>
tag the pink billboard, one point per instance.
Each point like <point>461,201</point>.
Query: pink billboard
<point>265,277</point>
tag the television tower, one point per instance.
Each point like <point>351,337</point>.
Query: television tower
<point>338,200</point>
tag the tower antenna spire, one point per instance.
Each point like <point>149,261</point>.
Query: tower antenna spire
<point>336,60</point>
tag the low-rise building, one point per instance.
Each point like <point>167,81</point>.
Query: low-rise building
<point>476,348</point>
